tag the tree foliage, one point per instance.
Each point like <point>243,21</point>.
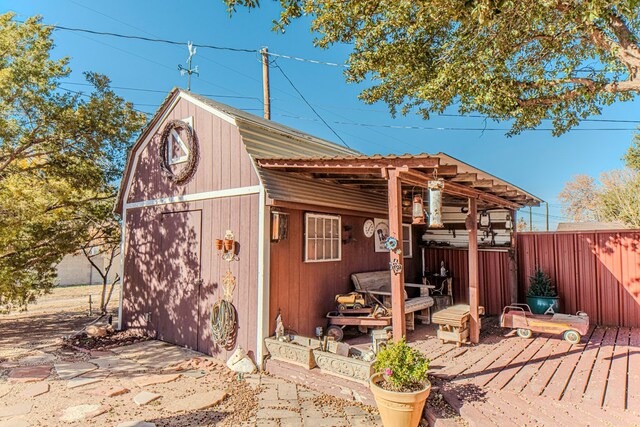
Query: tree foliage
<point>59,152</point>
<point>524,60</point>
<point>614,199</point>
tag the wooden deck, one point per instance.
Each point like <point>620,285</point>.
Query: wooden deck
<point>507,380</point>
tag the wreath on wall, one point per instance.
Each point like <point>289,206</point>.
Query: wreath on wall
<point>188,170</point>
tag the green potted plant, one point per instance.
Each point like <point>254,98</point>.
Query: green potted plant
<point>542,294</point>
<point>400,385</point>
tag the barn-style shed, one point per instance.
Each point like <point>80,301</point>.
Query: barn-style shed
<point>202,168</point>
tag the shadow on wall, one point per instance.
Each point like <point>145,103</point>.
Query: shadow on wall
<point>595,272</point>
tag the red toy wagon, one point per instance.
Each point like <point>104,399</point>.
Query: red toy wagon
<point>519,317</point>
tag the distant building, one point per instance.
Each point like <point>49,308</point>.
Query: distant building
<point>77,270</point>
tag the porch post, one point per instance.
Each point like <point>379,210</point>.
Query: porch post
<point>472,228</point>
<point>395,230</point>
<point>513,257</point>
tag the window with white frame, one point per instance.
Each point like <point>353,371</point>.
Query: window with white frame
<point>407,248</point>
<point>322,238</point>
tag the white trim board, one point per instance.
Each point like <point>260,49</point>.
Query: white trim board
<point>231,192</point>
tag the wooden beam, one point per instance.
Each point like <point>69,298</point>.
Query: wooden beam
<point>327,209</point>
<point>513,257</point>
<point>416,178</point>
<point>465,177</point>
<point>397,280</point>
<point>483,183</point>
<point>358,163</point>
<point>474,275</point>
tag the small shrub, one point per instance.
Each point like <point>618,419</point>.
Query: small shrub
<point>540,285</point>
<point>404,368</point>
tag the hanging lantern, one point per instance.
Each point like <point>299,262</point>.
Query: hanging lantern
<point>508,223</point>
<point>418,210</point>
<point>435,203</point>
<point>485,219</point>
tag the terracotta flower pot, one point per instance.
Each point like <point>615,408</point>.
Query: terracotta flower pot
<point>398,409</point>
<point>219,244</point>
<point>228,244</point>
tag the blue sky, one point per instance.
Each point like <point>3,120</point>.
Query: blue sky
<point>534,160</point>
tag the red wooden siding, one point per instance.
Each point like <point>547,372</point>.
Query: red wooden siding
<point>304,292</point>
<point>494,287</point>
<point>597,272</point>
<point>224,162</point>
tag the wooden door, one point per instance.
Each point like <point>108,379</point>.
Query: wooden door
<point>177,294</point>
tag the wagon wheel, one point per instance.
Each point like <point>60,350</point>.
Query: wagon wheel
<point>357,305</point>
<point>572,337</point>
<point>335,332</point>
<point>524,333</point>
<point>342,307</point>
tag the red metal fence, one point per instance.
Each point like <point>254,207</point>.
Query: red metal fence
<point>595,271</point>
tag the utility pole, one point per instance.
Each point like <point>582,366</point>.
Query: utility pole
<point>188,71</point>
<point>265,83</point>
<point>547,208</point>
<point>530,219</point>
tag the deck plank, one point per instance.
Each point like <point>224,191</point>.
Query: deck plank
<point>507,374</point>
<point>523,377</point>
<point>518,347</point>
<point>578,383</point>
<point>564,373</point>
<point>546,372</point>
<point>633,390</point>
<point>616,388</point>
<point>594,393</point>
<point>473,357</point>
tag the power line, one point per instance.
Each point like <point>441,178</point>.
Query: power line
<point>310,106</point>
<point>480,129</point>
<point>179,43</point>
<point>163,91</point>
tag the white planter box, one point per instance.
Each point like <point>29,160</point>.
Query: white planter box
<point>344,367</point>
<point>299,351</point>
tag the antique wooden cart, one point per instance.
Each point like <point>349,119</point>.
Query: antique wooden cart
<point>362,318</point>
<point>519,317</point>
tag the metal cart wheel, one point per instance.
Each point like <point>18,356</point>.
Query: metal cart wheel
<point>335,332</point>
<point>524,333</point>
<point>572,337</point>
<point>342,307</point>
<point>357,306</point>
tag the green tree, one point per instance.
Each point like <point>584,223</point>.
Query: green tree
<point>59,153</point>
<point>632,157</point>
<point>524,61</point>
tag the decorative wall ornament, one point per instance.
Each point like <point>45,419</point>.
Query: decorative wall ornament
<point>187,171</point>
<point>381,226</point>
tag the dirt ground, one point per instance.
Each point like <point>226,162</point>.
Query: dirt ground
<point>33,341</point>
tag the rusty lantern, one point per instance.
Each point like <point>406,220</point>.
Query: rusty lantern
<point>418,210</point>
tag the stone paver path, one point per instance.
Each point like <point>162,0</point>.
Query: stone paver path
<point>282,403</point>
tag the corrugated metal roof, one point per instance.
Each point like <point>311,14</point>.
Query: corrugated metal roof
<point>280,140</point>
<point>288,187</point>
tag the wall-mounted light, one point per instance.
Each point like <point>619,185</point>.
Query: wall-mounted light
<point>508,222</point>
<point>485,219</point>
<point>279,226</point>
<point>435,203</point>
<point>417,211</point>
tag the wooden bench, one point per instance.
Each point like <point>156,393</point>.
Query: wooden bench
<point>378,283</point>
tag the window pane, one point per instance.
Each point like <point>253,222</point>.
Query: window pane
<point>311,227</point>
<point>320,250</point>
<point>327,250</point>
<point>327,227</point>
<point>336,246</point>
<point>334,224</point>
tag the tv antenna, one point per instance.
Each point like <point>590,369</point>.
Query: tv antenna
<point>188,71</point>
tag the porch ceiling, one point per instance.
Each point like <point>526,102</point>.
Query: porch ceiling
<point>368,173</point>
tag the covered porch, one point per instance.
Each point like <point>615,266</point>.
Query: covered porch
<point>481,260</point>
